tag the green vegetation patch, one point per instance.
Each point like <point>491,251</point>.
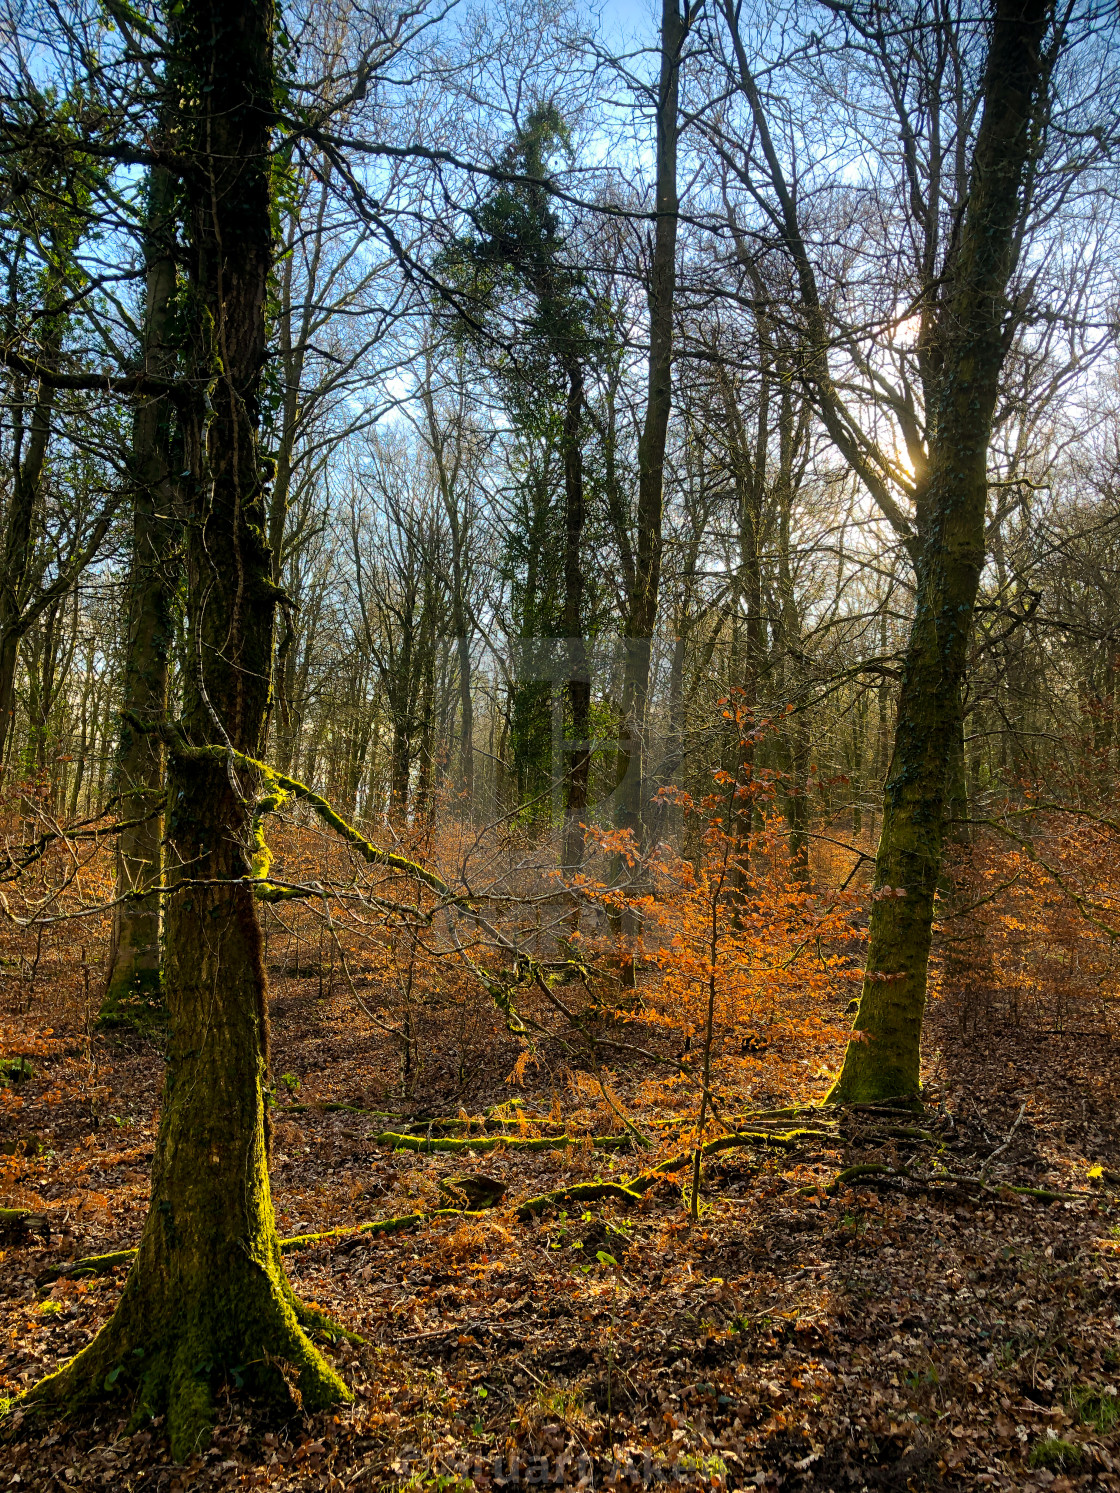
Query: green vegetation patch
<point>1054,1453</point>
<point>15,1070</point>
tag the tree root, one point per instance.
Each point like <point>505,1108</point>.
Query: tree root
<point>171,1359</point>
<point>873,1172</point>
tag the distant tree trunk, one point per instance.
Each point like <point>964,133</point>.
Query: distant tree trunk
<point>207,1295</point>
<point>292,355</point>
<point>401,707</point>
<point>883,1060</point>
<point>448,473</point>
<point>134,959</point>
<point>30,460</point>
<point>531,693</point>
<point>426,689</point>
<point>956,788</point>
<point>797,795</point>
<point>83,737</point>
<point>577,767</point>
<point>466,713</point>
<point>748,472</point>
<point>642,608</point>
<point>859,752</point>
<point>42,646</point>
<point>794,742</point>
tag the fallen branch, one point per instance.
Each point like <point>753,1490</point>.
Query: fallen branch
<point>865,1169</point>
<point>333,1107</point>
<point>999,1150</point>
<point>93,1265</point>
<point>377,1226</point>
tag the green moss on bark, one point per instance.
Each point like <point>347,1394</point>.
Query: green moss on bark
<point>883,1059</point>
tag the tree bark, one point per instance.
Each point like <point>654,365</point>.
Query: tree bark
<point>883,1059</point>
<point>206,1298</point>
<point>133,983</point>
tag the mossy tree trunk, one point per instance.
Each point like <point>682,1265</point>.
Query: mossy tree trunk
<point>134,959</point>
<point>883,1058</point>
<point>207,1300</point>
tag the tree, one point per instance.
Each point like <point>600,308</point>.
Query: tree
<point>207,1293</point>
<point>455,445</point>
<point>48,212</point>
<point>521,250</point>
<point>642,602</point>
<point>134,953</point>
<point>966,195</point>
<point>970,337</point>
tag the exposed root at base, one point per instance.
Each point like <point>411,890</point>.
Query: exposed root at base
<point>175,1371</point>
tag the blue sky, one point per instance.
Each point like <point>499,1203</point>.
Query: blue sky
<point>623,20</point>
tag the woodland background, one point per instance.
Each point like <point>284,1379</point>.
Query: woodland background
<point>592,422</point>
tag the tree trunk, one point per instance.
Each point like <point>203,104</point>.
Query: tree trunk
<point>26,488</point>
<point>748,473</point>
<point>577,766</point>
<point>425,776</point>
<point>134,962</point>
<point>448,474</point>
<point>883,1059</point>
<point>642,609</point>
<point>206,1297</point>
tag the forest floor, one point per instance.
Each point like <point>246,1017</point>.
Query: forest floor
<point>909,1334</point>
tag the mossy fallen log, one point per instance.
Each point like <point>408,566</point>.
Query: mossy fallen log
<point>865,1169</point>
<point>402,1142</point>
<point>484,1126</point>
<point>99,1264</point>
<point>787,1140</point>
<point>22,1220</point>
<point>578,1192</point>
<point>396,1225</point>
<point>93,1265</point>
<point>331,1107</point>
